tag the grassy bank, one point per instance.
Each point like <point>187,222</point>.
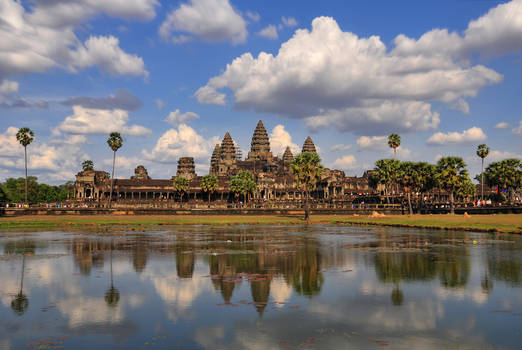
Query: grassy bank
<point>511,223</point>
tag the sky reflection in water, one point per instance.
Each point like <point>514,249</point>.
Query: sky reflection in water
<point>261,288</point>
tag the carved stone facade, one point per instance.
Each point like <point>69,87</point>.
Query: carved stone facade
<point>275,183</point>
<point>186,168</point>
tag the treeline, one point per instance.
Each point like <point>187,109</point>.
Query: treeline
<point>13,191</point>
<point>449,174</point>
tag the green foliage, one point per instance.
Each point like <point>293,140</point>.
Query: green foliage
<point>244,182</point>
<point>14,191</point>
<point>506,174</point>
<point>394,141</point>
<point>115,141</point>
<point>87,165</point>
<point>385,173</point>
<point>181,184</point>
<point>451,173</point>
<point>482,150</point>
<point>307,169</point>
<point>209,183</point>
<point>25,136</point>
<point>467,189</point>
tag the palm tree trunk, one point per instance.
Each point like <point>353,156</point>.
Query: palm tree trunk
<point>452,204</point>
<point>482,182</point>
<point>112,177</point>
<point>394,153</point>
<point>410,209</point>
<point>511,196</point>
<point>307,208</point>
<point>209,199</point>
<point>25,153</point>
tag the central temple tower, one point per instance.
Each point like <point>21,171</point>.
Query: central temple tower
<point>260,145</point>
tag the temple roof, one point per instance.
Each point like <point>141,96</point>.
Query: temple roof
<point>309,146</point>
<point>260,141</point>
<point>228,149</point>
<point>288,156</point>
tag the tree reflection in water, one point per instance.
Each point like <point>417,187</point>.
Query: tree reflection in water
<point>20,303</point>
<point>112,295</point>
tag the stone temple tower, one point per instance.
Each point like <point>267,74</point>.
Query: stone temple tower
<point>260,145</point>
<point>227,162</point>
<point>186,168</point>
<point>308,146</point>
<point>214,160</point>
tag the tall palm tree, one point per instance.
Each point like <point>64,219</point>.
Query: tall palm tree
<point>482,152</point>
<point>209,183</point>
<point>115,141</point>
<point>394,141</point>
<point>451,174</point>
<point>307,169</point>
<point>25,136</point>
<point>181,185</point>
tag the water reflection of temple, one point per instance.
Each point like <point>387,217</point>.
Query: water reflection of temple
<point>239,256</point>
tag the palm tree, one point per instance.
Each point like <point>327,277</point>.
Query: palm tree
<point>307,169</point>
<point>244,182</point>
<point>181,185</point>
<point>482,152</point>
<point>209,183</point>
<point>87,165</point>
<point>115,141</point>
<point>20,303</point>
<point>385,173</point>
<point>506,174</point>
<point>451,174</point>
<point>409,179</point>
<point>394,141</point>
<point>25,136</point>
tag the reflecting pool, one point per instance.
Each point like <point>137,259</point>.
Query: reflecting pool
<point>261,287</point>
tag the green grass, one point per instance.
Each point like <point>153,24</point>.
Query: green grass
<point>511,223</point>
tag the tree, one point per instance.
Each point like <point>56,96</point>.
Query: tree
<point>409,179</point>
<point>25,136</point>
<point>451,174</point>
<point>181,185</point>
<point>244,182</point>
<point>115,141</point>
<point>307,169</point>
<point>209,183</point>
<point>88,165</point>
<point>482,152</point>
<point>385,173</point>
<point>112,295</point>
<point>394,141</point>
<point>506,174</point>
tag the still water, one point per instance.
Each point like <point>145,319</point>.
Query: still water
<point>261,287</point>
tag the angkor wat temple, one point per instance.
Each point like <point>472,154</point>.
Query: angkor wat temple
<point>275,182</point>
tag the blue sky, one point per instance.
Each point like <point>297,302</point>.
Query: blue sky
<point>173,77</point>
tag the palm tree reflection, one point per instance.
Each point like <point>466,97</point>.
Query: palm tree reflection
<point>112,295</point>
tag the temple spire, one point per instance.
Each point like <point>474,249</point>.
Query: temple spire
<point>309,146</point>
<point>260,145</point>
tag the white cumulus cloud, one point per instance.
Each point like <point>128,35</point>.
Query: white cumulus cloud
<point>176,117</point>
<point>280,139</point>
<point>374,143</point>
<point>209,20</point>
<point>346,162</point>
<point>473,134</point>
<point>99,121</point>
<point>332,78</point>
<point>181,142</point>
<point>43,37</point>
<point>269,32</point>
<point>289,21</point>
<point>502,125</point>
<point>517,130</point>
